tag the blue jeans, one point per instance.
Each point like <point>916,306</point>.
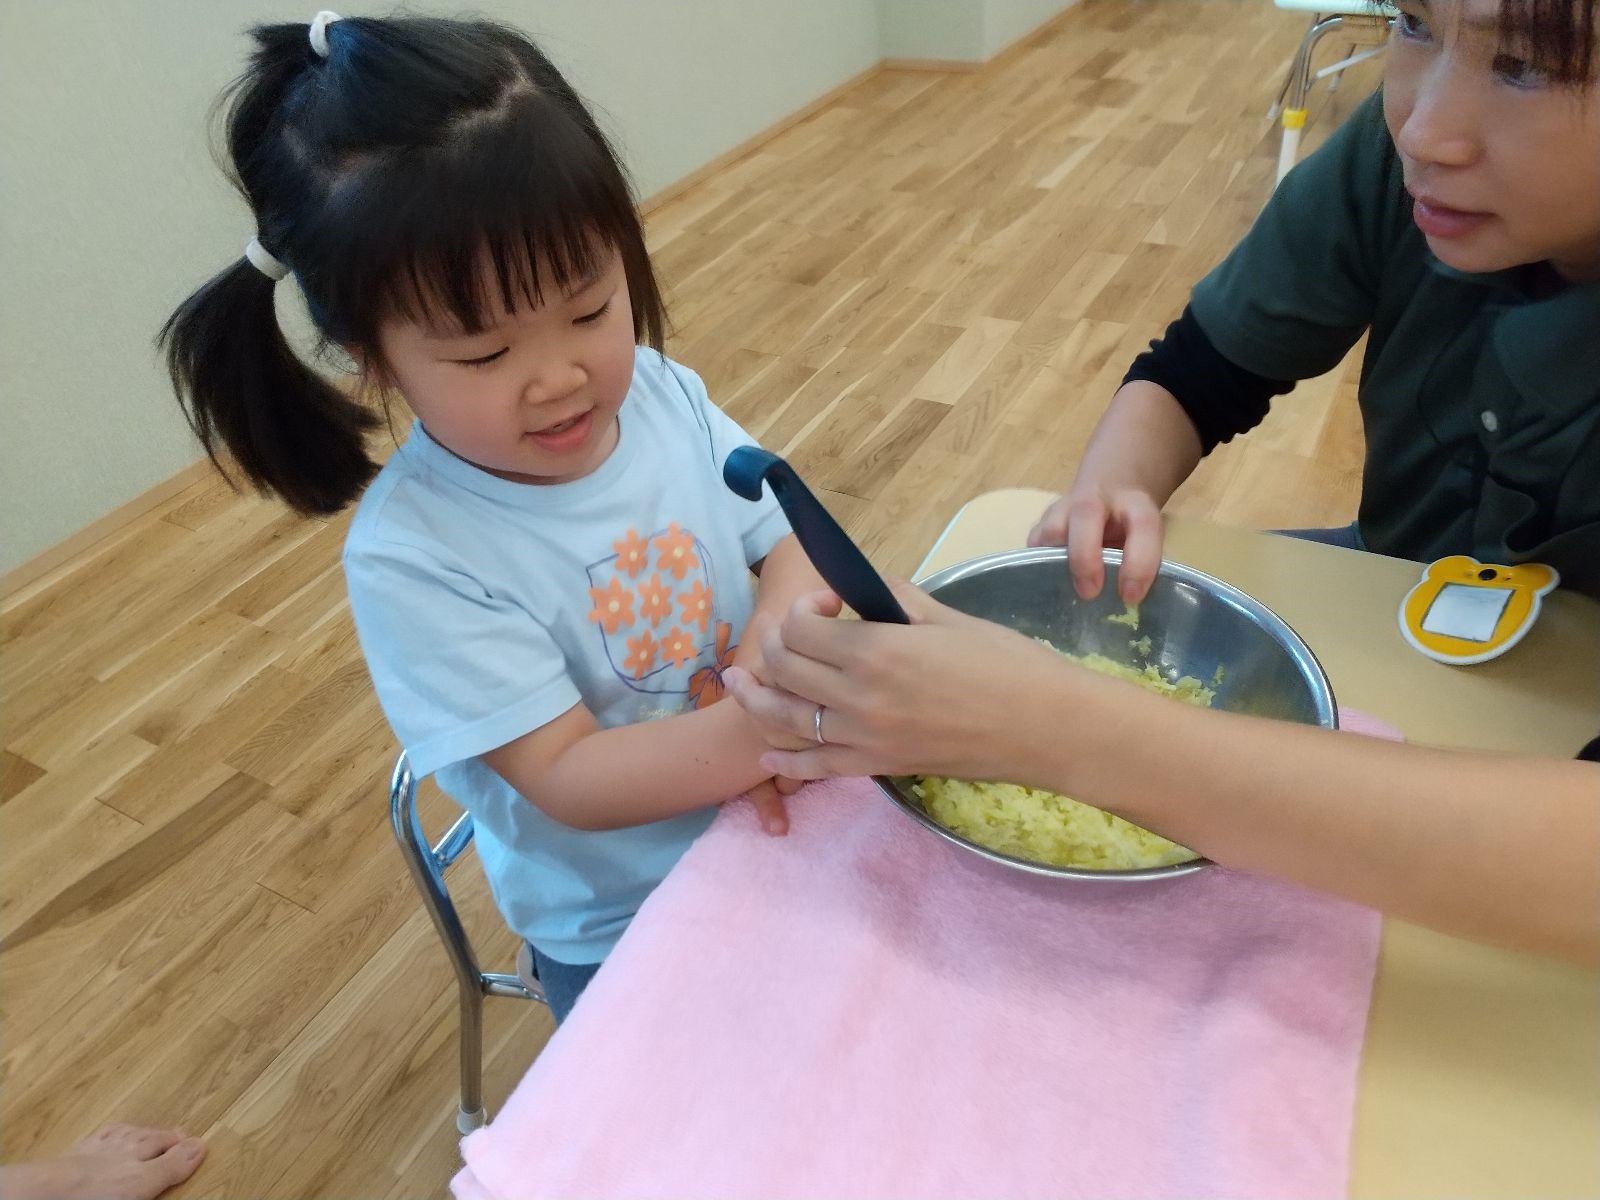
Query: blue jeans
<point>1346,537</point>
<point>563,982</point>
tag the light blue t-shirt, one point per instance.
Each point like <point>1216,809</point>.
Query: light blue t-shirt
<point>488,608</point>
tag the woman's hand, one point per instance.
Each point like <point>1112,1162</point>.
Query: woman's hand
<point>767,796</point>
<point>1093,516</point>
<point>1144,447</point>
<point>938,697</point>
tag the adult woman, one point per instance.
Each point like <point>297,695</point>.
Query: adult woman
<point>1418,225</point>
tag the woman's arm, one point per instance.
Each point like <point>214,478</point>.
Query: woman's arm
<point>1497,847</point>
<point>786,574</point>
<point>1500,848</point>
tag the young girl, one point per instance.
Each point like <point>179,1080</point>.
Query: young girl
<point>1456,219</point>
<point>548,578</point>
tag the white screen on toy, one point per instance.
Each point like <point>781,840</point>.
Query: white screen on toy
<point>1468,613</point>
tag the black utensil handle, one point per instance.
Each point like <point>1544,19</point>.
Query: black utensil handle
<point>837,559</point>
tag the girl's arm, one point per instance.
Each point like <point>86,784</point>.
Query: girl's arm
<point>1500,848</point>
<point>786,574</point>
<point>591,778</point>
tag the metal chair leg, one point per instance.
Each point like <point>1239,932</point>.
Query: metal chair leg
<point>1291,105</point>
<point>1349,57</point>
<point>1294,109</point>
<point>427,865</point>
<point>470,1114</point>
<point>528,974</point>
<point>1277,105</point>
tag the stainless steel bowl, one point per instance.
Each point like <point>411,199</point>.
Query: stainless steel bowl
<point>1195,623</point>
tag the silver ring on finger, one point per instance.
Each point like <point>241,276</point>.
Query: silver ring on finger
<point>816,727</point>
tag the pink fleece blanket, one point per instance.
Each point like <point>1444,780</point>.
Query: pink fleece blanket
<point>861,1010</point>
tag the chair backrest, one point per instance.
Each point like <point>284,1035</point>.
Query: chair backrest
<point>427,865</point>
<point>1335,8</point>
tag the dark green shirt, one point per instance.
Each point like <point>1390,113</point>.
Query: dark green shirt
<point>1480,394</point>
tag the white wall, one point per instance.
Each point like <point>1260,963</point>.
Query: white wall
<point>959,30</point>
<point>682,81</point>
<point>113,209</point>
<point>1005,21</point>
<point>936,30</point>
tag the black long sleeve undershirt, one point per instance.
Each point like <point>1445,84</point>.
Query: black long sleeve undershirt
<point>1221,399</point>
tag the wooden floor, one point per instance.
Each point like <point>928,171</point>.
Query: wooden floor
<point>928,289</point>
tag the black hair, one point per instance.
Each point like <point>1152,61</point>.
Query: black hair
<point>1559,37</point>
<point>382,176</point>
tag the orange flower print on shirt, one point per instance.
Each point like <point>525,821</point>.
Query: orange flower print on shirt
<point>678,648</point>
<point>675,552</point>
<point>706,686</point>
<point>641,655</point>
<point>655,601</point>
<point>696,604</point>
<point>613,606</point>
<point>633,554</point>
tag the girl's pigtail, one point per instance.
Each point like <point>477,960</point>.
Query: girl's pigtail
<point>245,391</point>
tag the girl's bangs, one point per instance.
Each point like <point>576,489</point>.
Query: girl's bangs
<point>517,205</point>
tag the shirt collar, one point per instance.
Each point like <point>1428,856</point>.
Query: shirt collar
<point>1546,344</point>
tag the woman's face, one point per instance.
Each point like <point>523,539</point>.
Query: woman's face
<point>1502,162</point>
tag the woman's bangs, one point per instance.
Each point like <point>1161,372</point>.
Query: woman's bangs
<point>1556,36</point>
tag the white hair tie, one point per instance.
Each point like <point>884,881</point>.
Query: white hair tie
<point>263,261</point>
<point>319,31</point>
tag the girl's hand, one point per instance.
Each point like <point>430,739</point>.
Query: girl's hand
<point>938,697</point>
<point>747,653</point>
<point>767,797</point>
<point>1093,516</point>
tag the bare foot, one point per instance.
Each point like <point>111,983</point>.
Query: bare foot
<point>117,1162</point>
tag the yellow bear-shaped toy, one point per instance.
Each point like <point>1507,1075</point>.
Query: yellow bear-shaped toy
<point>1464,611</point>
